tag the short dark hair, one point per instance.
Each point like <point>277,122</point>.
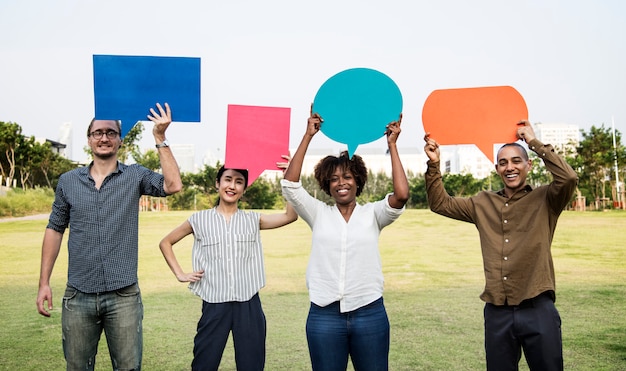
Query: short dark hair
<point>513,144</point>
<point>326,167</point>
<point>243,172</point>
<point>118,122</point>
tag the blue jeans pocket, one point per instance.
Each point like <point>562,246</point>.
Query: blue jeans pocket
<point>69,294</point>
<point>132,290</point>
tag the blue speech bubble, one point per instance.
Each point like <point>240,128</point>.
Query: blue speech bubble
<point>356,106</point>
<point>126,87</point>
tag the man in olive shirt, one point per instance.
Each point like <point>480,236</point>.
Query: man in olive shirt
<point>516,226</point>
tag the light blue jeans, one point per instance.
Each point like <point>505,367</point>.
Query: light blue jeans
<point>119,313</point>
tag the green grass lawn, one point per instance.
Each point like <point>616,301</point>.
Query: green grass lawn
<point>433,277</point>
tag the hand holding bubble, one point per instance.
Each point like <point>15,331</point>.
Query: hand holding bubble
<point>256,138</point>
<point>125,86</point>
<point>482,116</point>
<point>356,105</point>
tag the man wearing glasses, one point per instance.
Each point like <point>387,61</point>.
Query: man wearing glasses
<point>100,204</point>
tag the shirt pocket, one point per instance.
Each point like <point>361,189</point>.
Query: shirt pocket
<point>209,249</point>
<point>245,245</point>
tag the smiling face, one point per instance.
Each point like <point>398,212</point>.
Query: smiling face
<point>331,167</point>
<point>513,166</point>
<point>231,186</point>
<point>104,147</point>
<point>343,186</point>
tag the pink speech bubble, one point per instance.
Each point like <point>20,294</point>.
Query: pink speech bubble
<point>256,138</point>
<point>482,116</point>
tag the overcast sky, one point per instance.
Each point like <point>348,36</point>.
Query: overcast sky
<point>566,58</point>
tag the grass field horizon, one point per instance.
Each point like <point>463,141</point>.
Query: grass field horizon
<point>433,277</point>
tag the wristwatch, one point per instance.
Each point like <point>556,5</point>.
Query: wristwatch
<point>164,144</point>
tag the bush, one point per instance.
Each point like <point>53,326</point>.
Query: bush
<point>19,202</point>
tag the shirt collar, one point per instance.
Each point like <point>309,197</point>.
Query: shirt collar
<point>526,189</point>
<point>85,169</point>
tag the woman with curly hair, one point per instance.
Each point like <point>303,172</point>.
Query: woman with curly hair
<point>347,317</point>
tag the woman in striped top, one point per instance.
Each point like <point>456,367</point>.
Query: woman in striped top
<point>228,272</point>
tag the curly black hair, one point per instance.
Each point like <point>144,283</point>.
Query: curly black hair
<point>326,167</point>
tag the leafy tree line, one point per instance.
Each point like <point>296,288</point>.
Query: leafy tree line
<point>30,163</point>
<point>36,165</point>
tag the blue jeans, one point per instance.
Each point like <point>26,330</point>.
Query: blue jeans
<point>362,334</point>
<point>119,313</point>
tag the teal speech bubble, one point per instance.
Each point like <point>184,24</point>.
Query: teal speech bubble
<point>356,106</point>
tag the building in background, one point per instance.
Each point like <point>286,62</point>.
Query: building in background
<point>455,159</point>
<point>563,137</point>
<point>65,137</point>
<point>56,147</point>
<point>376,159</point>
<point>465,159</point>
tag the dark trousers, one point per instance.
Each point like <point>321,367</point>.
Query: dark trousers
<point>246,320</point>
<point>534,326</point>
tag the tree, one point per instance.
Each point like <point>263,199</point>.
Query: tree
<point>376,187</point>
<point>595,159</point>
<point>50,165</point>
<point>46,160</point>
<point>538,174</point>
<point>461,185</point>
<point>10,137</point>
<point>417,192</point>
<point>204,181</point>
<point>58,166</point>
<point>198,192</point>
<point>28,156</point>
<point>259,195</point>
<point>150,159</point>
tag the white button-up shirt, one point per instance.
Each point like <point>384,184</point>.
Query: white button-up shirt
<point>344,264</point>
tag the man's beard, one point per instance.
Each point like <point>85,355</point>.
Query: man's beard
<point>104,156</point>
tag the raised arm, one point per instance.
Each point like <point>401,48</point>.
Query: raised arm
<point>295,165</point>
<point>166,245</point>
<point>171,173</point>
<point>564,178</point>
<point>400,195</point>
<point>269,221</point>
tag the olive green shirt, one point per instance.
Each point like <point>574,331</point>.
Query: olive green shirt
<point>515,233</point>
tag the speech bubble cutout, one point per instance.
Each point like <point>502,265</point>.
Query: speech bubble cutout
<point>356,106</point>
<point>482,116</point>
<point>126,87</point>
<point>256,138</point>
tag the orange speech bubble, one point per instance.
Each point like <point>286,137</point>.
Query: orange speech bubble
<point>482,116</point>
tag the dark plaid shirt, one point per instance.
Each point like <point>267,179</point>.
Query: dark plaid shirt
<point>103,238</point>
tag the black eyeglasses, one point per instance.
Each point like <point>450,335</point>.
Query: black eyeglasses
<point>111,134</point>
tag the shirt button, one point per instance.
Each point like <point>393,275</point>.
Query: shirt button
<point>505,221</point>
<point>504,278</point>
<point>506,204</point>
<point>506,240</point>
<point>506,258</point>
